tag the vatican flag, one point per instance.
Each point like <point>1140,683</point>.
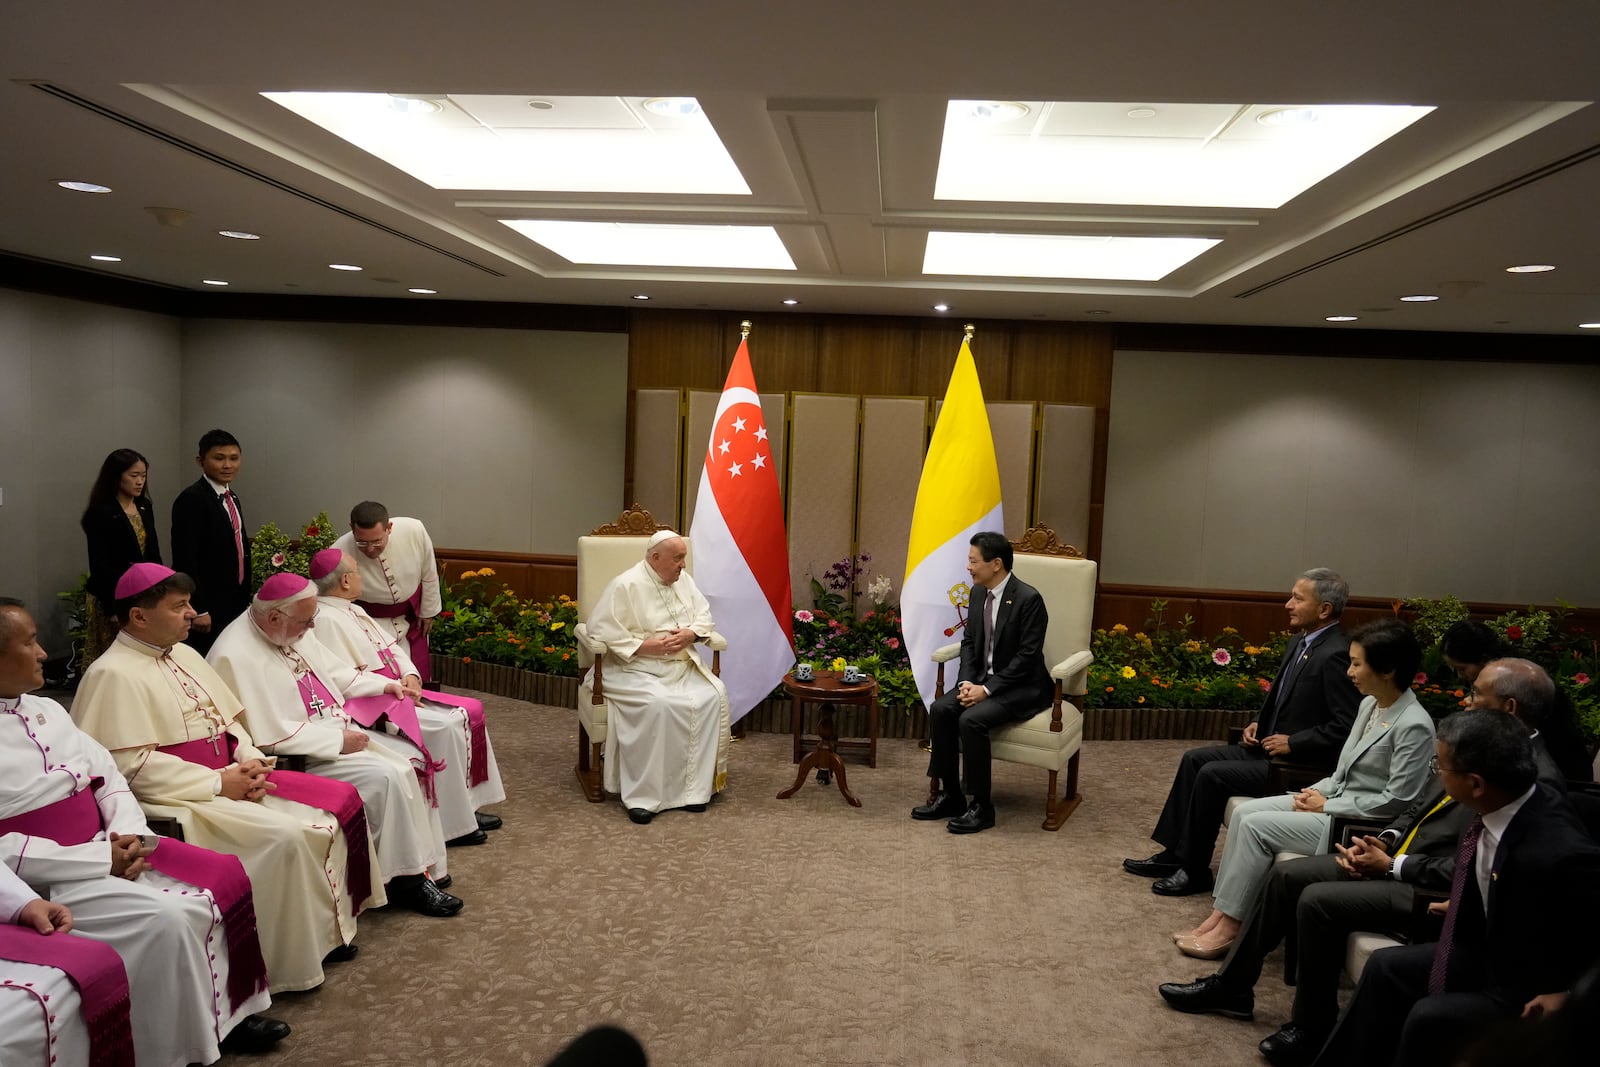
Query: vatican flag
<point>959,495</point>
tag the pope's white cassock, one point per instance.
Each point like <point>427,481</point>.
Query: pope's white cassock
<point>401,586</point>
<point>346,629</point>
<point>668,728</point>
<point>44,1019</point>
<point>171,935</point>
<point>294,705</point>
<point>162,713</point>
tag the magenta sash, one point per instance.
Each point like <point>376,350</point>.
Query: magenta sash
<point>102,982</point>
<point>371,711</point>
<point>477,725</point>
<point>409,609</point>
<point>76,819</point>
<point>326,794</point>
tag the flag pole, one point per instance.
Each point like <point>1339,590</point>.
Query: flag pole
<point>970,329</point>
<point>744,330</point>
<point>737,733</point>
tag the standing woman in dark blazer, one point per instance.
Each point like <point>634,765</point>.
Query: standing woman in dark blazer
<point>120,525</point>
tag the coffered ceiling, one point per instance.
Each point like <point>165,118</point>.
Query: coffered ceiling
<point>1056,160</point>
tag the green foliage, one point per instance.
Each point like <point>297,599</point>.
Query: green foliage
<point>273,551</point>
<point>1165,666</point>
<point>75,602</point>
<point>485,622</point>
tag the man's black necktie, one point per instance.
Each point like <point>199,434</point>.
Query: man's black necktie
<point>1298,654</point>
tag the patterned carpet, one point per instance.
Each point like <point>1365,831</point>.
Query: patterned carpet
<point>767,931</point>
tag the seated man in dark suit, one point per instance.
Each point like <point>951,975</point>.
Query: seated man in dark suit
<point>1307,715</point>
<point>1003,680</point>
<point>209,542</point>
<point>1523,918</point>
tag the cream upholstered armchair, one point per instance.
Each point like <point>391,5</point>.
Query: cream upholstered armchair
<point>603,554</point>
<point>1051,739</point>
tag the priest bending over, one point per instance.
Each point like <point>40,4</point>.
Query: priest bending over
<point>399,576</point>
<point>295,691</point>
<point>180,917</point>
<point>667,735</point>
<point>453,727</point>
<point>172,725</point>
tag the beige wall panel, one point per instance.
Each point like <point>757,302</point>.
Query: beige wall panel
<point>1413,478</point>
<point>893,438</point>
<point>1065,466</point>
<point>656,466</point>
<point>1011,424</point>
<point>822,485</point>
<point>696,435</point>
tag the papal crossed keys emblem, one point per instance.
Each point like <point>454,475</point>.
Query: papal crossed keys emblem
<point>960,597</point>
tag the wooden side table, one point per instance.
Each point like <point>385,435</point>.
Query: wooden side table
<point>827,689</point>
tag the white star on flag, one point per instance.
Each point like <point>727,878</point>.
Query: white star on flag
<point>735,470</point>
<point>723,448</point>
<point>761,433</point>
<point>738,425</point>
<point>760,461</point>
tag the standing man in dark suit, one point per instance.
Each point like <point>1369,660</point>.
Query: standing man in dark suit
<point>1307,714</point>
<point>1523,918</point>
<point>209,542</point>
<point>1003,680</point>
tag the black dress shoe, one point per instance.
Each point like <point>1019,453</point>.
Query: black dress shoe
<point>477,837</point>
<point>1182,884</point>
<point>1209,996</point>
<point>342,954</point>
<point>1156,866</point>
<point>256,1034</point>
<point>446,882</point>
<point>488,820</point>
<point>640,815</point>
<point>978,817</point>
<point>694,807</point>
<point>428,899</point>
<point>943,806</point>
<point>1293,1046</point>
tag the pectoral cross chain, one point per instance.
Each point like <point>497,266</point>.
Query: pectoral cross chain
<point>315,704</point>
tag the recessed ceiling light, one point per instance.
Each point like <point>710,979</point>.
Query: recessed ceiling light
<point>240,235</point>
<point>791,301</point>
<point>641,296</point>
<point>541,105</point>
<point>107,259</point>
<point>1419,298</point>
<point>423,292</point>
<point>1589,325</point>
<point>659,244</point>
<point>1142,113</point>
<point>678,107</point>
<point>415,104</point>
<point>344,266</point>
<point>1052,255</point>
<point>1342,318</point>
<point>1288,116</point>
<point>212,281</point>
<point>941,307</point>
<point>996,110</point>
<point>1530,268</point>
<point>85,187</point>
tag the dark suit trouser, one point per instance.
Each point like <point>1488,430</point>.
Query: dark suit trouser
<point>963,733</point>
<point>1393,1020</point>
<point>1206,778</point>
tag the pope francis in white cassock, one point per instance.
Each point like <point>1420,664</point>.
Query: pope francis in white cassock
<point>453,727</point>
<point>172,726</point>
<point>70,829</point>
<point>295,692</point>
<point>63,999</point>
<point>668,727</point>
<point>399,575</point>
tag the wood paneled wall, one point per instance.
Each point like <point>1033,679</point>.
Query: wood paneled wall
<point>881,356</point>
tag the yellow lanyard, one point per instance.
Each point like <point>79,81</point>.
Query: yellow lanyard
<point>1448,799</point>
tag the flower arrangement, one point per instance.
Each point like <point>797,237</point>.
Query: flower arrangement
<point>272,551</point>
<point>1164,665</point>
<point>485,622</point>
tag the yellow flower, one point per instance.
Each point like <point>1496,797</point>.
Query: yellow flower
<point>1143,639</point>
<point>469,574</point>
<point>1193,646</point>
<point>1128,672</point>
<point>468,602</point>
<point>557,625</point>
<point>486,573</point>
<point>1119,628</point>
<point>1229,630</point>
<point>1139,700</point>
<point>838,664</point>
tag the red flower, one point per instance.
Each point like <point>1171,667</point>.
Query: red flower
<point>1513,633</point>
<point>447,614</point>
<point>312,531</point>
<point>1420,679</point>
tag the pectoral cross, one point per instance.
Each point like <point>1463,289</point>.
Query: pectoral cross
<point>315,704</point>
<point>216,745</point>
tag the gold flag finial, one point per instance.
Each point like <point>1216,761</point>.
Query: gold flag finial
<point>744,330</point>
<point>971,329</point>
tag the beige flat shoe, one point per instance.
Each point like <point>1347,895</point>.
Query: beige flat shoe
<point>1191,947</point>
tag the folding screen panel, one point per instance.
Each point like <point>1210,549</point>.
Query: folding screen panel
<point>823,438</point>
<point>893,437</point>
<point>657,438</point>
<point>1064,471</point>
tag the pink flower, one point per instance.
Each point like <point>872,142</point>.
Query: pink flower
<point>278,560</point>
<point>1420,679</point>
<point>894,642</point>
<point>1266,686</point>
<point>1220,657</point>
<point>1581,678</point>
<point>803,616</point>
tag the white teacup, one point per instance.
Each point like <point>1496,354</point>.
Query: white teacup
<point>852,673</point>
<point>802,672</point>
